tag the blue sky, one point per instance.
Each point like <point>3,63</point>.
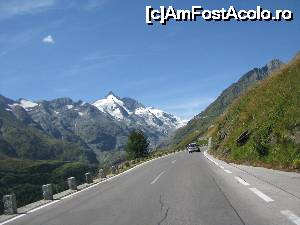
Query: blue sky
<point>83,49</point>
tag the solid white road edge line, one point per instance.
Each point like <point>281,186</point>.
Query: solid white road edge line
<point>75,193</point>
<point>159,175</point>
<point>243,182</point>
<point>30,211</point>
<point>12,219</point>
<point>261,195</point>
<point>291,216</point>
<point>43,206</point>
<point>216,163</point>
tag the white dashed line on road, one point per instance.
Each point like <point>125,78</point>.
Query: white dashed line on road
<point>174,161</point>
<point>261,195</point>
<point>243,182</point>
<point>291,216</point>
<point>227,171</point>
<point>156,179</point>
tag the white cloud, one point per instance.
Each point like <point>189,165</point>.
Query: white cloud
<point>20,7</point>
<point>48,39</point>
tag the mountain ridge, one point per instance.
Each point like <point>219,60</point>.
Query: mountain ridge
<point>21,137</point>
<point>262,127</point>
<point>102,125</point>
<point>200,123</point>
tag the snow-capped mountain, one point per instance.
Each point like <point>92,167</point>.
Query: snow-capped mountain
<point>101,126</point>
<point>130,111</point>
<point>25,104</point>
<point>113,106</point>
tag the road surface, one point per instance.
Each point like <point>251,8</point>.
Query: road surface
<point>180,189</point>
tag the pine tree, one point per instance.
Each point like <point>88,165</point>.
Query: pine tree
<point>137,145</point>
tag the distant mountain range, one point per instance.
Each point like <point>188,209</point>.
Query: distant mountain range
<point>200,123</point>
<point>97,127</point>
<point>104,125</point>
<point>21,137</point>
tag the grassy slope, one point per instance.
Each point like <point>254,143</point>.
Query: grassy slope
<point>271,113</point>
<point>200,124</point>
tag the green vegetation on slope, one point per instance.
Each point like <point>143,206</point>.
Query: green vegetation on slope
<point>262,127</point>
<point>30,158</point>
<point>26,177</point>
<point>200,123</point>
<point>19,140</point>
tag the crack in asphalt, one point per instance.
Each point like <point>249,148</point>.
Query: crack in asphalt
<point>162,206</point>
<point>161,203</point>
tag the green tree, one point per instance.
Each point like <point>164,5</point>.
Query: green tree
<point>137,145</point>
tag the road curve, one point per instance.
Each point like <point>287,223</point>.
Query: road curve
<point>180,189</point>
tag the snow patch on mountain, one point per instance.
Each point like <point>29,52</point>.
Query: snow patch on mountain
<point>26,104</point>
<point>129,110</point>
<point>103,125</point>
<point>112,105</point>
<point>69,106</point>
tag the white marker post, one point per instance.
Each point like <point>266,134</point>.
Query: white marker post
<point>47,192</point>
<point>209,143</point>
<point>88,178</point>
<point>10,204</point>
<point>72,183</point>
<point>102,174</point>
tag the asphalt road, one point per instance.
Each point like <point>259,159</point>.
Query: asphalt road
<point>185,189</point>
